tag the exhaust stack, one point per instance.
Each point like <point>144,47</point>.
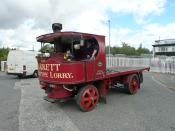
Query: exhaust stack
<point>56,27</point>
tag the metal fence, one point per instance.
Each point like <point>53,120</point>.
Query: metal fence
<point>162,65</point>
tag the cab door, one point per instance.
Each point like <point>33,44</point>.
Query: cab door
<point>95,69</point>
<point>90,70</point>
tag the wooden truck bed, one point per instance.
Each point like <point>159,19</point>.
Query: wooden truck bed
<point>118,71</point>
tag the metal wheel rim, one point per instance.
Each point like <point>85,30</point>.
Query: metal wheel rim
<point>134,85</point>
<point>89,98</point>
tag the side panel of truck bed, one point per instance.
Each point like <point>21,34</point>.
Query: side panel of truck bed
<point>118,71</point>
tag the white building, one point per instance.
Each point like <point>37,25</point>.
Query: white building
<point>164,47</point>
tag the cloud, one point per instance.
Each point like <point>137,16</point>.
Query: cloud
<point>45,12</point>
<point>22,21</point>
<point>22,37</point>
<point>19,15</point>
<point>138,8</point>
<point>149,33</point>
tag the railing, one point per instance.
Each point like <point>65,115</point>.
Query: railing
<point>162,65</point>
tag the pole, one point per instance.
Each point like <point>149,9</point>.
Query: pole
<point>33,48</point>
<point>109,50</point>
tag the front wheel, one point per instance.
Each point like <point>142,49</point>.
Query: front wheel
<point>133,84</point>
<point>87,98</point>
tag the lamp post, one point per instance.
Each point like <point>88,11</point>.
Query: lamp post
<point>109,50</point>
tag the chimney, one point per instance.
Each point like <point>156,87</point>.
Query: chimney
<point>56,27</point>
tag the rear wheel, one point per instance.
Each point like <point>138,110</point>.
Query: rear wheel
<point>20,76</point>
<point>133,84</point>
<point>35,74</point>
<point>87,98</point>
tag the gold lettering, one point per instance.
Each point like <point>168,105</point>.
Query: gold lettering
<point>49,67</point>
<point>70,75</point>
<point>46,67</point>
<point>60,75</point>
<point>65,75</point>
<point>52,71</point>
<point>43,74</point>
<point>57,67</point>
<point>51,76</point>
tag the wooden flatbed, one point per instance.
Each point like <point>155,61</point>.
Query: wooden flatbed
<point>119,71</point>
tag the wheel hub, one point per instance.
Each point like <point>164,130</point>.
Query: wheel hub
<point>89,98</point>
<point>134,85</point>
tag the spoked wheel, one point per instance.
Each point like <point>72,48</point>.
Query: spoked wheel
<point>133,84</point>
<point>87,98</point>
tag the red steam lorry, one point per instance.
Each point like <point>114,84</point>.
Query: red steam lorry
<point>72,72</point>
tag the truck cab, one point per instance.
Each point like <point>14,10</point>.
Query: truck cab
<point>80,67</point>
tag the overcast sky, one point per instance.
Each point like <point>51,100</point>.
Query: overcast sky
<point>132,21</point>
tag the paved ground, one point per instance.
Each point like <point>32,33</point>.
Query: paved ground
<point>9,103</point>
<point>151,109</point>
<point>165,80</point>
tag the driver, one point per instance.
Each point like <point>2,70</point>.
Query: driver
<point>92,48</point>
<point>68,56</point>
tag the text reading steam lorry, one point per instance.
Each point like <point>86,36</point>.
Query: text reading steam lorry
<point>77,69</point>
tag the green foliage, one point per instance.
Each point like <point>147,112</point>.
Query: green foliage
<point>115,50</point>
<point>127,50</point>
<point>141,50</point>
<point>4,54</point>
<point>47,49</point>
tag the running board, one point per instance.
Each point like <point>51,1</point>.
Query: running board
<point>52,100</point>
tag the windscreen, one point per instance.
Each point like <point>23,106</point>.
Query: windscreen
<point>66,43</point>
<point>75,47</point>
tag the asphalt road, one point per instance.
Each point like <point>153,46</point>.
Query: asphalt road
<point>9,103</point>
<point>151,109</point>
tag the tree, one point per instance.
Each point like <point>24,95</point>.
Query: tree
<point>4,54</point>
<point>47,49</point>
<point>127,50</point>
<point>107,49</point>
<point>115,50</point>
<point>141,50</point>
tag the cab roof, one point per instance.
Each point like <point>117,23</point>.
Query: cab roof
<point>51,36</point>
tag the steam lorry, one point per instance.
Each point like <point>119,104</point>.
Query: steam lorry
<point>81,77</point>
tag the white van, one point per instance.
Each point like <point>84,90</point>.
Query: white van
<point>22,63</point>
